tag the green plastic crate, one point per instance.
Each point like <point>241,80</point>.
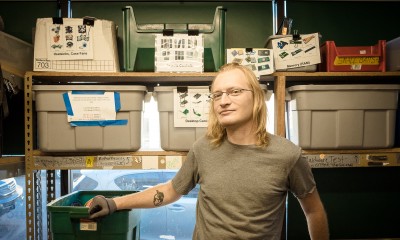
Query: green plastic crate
<point>139,41</point>
<point>69,219</point>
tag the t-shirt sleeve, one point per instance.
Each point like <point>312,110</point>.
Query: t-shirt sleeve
<point>187,176</point>
<point>301,179</point>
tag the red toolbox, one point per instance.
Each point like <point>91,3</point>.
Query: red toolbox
<point>353,59</point>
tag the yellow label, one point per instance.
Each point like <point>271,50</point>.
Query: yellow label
<point>89,162</point>
<point>356,61</point>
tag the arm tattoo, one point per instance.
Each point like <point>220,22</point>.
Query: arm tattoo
<point>158,198</point>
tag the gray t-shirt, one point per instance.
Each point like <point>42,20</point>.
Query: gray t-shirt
<point>243,188</point>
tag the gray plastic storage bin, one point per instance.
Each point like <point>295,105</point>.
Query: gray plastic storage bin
<point>55,134</point>
<point>342,116</point>
<point>177,138</point>
<point>174,138</point>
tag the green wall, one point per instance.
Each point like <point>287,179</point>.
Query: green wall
<point>20,17</point>
<point>348,23</point>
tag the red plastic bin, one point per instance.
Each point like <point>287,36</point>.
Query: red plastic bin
<point>353,59</point>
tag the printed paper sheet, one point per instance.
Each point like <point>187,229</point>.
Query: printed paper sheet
<point>290,53</point>
<point>191,108</point>
<point>69,42</point>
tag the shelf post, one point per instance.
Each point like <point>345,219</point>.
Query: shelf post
<point>29,166</point>
<point>279,103</point>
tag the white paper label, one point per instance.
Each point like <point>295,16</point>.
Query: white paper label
<point>86,225</point>
<point>92,107</point>
<point>191,108</point>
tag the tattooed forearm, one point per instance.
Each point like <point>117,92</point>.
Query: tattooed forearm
<point>158,198</point>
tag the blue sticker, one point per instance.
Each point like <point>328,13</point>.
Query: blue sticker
<point>103,123</point>
<point>91,92</point>
<point>67,103</point>
<point>117,100</point>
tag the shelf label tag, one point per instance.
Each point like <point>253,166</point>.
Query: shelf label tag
<point>89,161</point>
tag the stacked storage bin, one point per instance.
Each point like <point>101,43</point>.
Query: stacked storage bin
<point>343,116</point>
<point>177,138</point>
<point>353,58</point>
<point>139,40</point>
<point>56,134</point>
<point>69,219</point>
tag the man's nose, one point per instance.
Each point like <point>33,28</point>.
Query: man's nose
<point>225,99</point>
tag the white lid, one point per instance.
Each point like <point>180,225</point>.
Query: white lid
<point>89,88</point>
<point>338,87</point>
<point>171,88</point>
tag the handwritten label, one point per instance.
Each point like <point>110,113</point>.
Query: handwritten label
<point>174,162</point>
<point>106,161</point>
<point>55,162</point>
<point>333,160</point>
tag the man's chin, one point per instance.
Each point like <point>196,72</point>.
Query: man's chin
<point>226,124</point>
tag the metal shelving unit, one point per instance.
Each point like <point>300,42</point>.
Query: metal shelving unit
<point>36,160</point>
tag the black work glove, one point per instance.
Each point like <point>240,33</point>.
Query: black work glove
<point>100,206</point>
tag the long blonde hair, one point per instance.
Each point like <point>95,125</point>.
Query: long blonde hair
<point>216,132</point>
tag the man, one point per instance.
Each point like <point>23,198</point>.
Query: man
<point>243,171</point>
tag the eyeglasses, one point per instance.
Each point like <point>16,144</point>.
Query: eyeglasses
<point>232,92</point>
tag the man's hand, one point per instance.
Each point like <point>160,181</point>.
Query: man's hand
<point>100,206</point>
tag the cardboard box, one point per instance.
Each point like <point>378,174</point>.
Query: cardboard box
<point>260,60</point>
<point>75,45</point>
<point>291,54</point>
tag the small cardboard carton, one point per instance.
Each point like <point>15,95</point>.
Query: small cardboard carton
<point>292,53</point>
<point>75,45</point>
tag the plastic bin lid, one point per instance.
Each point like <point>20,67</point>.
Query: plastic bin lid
<point>89,88</point>
<point>171,88</point>
<point>344,87</point>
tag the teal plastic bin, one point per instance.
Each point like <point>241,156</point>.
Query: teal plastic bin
<point>69,219</point>
<point>139,40</point>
